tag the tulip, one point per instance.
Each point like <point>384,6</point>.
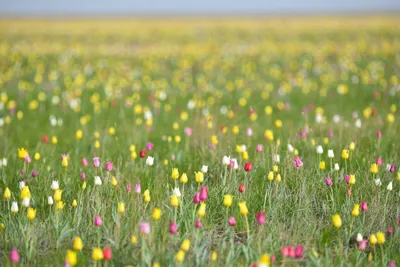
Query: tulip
<point>319,150</point>
<point>390,230</point>
<point>359,238</point>
<point>7,194</point>
<point>336,167</point>
<point>259,148</point>
<point>297,162</point>
<point>356,210</point>
<point>390,186</point>
<point>196,198</point>
<point>345,154</point>
<point>97,180</point>
<point>156,214</point>
<point>270,176</point>
<point>14,256</point>
<point>290,148</point>
<point>96,162</point>
<point>97,221</point>
<point>380,237</point>
<point>50,200</point>
<point>97,254</point>
<point>204,193</point>
<point>228,200</point>
<point>202,210</point>
<point>231,221</point>
<point>285,251</point>
<point>149,146</point>
<point>226,160</point>
<point>188,131</point>
<point>26,202</point>
<point>184,178</point>
<point>58,195</point>
<point>392,168</point>
<point>198,224</point>
<point>107,252</point>
<point>392,264</point>
<point>176,192</point>
<point>14,207</point>
<point>34,173</point>
<point>84,162</point>
<point>185,245</point>
<point>378,182</point>
<point>78,244</point>
<point>298,251</point>
<point>174,201</point>
<point>322,165</point>
<point>374,168</point>
<point>142,154</point>
<point>337,221</point>
<point>173,228</point>
<point>243,208</point>
<point>328,181</point>
<point>379,161</point>
<point>150,161</point>
<point>71,258</point>
<point>347,179</point>
<point>330,154</point>
<point>121,207</point>
<point>137,187</point>
<point>362,245</point>
<point>248,166</point>
<point>199,177</point>
<point>83,176</point>
<point>241,188</point>
<point>180,256</point>
<point>108,166</point>
<point>146,196</point>
<point>31,214</point>
<point>276,158</point>
<point>372,239</point>
<point>128,188</point>
<point>261,218</point>
<point>25,192</point>
<point>54,185</point>
<point>175,173</point>
<point>292,252</point>
<point>204,169</point>
<point>145,228</point>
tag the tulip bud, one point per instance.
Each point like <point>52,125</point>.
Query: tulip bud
<point>198,224</point>
<point>196,198</point>
<point>260,218</point>
<point>232,221</point>
<point>107,252</point>
<point>328,181</point>
<point>204,193</point>
<point>173,228</point>
<point>241,188</point>
<point>97,221</point>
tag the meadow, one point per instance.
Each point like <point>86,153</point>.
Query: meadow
<point>200,142</point>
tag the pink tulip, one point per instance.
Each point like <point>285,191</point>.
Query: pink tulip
<point>379,134</point>
<point>292,252</point>
<point>330,133</point>
<point>198,224</point>
<point>145,228</point>
<point>109,166</point>
<point>96,162</point>
<point>348,191</point>
<point>285,251</point>
<point>34,173</point>
<point>196,198</point>
<point>379,161</point>
<point>128,188</point>
<point>392,264</point>
<point>231,164</point>
<point>188,131</point>
<point>173,228</point>
<point>27,159</point>
<point>259,148</point>
<point>260,218</point>
<point>14,256</point>
<point>362,245</point>
<point>149,146</point>
<point>204,193</point>
<point>23,172</point>
<point>97,221</point>
<point>273,258</point>
<point>392,168</point>
<point>297,162</point>
<point>298,251</point>
<point>390,230</point>
<point>347,179</point>
<point>249,132</point>
<point>364,206</point>
<point>137,187</point>
<point>328,181</point>
<point>232,221</point>
<point>83,176</point>
<point>84,162</point>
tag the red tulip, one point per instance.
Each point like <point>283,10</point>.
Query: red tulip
<point>45,139</point>
<point>364,206</point>
<point>107,254</point>
<point>298,251</point>
<point>241,188</point>
<point>248,166</point>
<point>142,153</point>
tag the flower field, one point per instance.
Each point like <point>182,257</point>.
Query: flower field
<point>200,142</point>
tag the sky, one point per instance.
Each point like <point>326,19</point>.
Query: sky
<point>149,7</point>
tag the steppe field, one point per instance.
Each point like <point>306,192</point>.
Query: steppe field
<point>268,141</point>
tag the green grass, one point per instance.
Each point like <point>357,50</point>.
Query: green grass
<point>297,68</point>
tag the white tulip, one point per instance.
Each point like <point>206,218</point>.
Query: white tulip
<point>176,192</point>
<point>320,150</point>
<point>21,184</point>
<point>55,185</point>
<point>337,168</point>
<point>331,155</point>
<point>26,202</point>
<point>378,182</point>
<point>50,200</point>
<point>150,161</point>
<point>235,164</point>
<point>14,207</point>
<point>290,148</point>
<point>359,237</point>
<point>276,158</point>
<point>204,169</point>
<point>97,180</point>
<point>390,186</point>
<point>358,123</point>
<point>226,160</point>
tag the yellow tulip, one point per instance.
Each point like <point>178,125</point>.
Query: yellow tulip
<point>175,173</point>
<point>199,177</point>
<point>180,256</point>
<point>184,178</point>
<point>228,200</point>
<point>78,243</point>
<point>380,236</point>
<point>243,208</point>
<point>7,194</point>
<point>156,214</point>
<point>202,210</point>
<point>31,214</point>
<point>185,245</point>
<point>372,239</point>
<point>121,207</point>
<point>356,210</point>
<point>71,258</point>
<point>337,221</point>
<point>174,201</point>
<point>57,195</point>
<point>97,254</point>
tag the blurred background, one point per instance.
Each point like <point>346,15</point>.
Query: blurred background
<point>205,7</point>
